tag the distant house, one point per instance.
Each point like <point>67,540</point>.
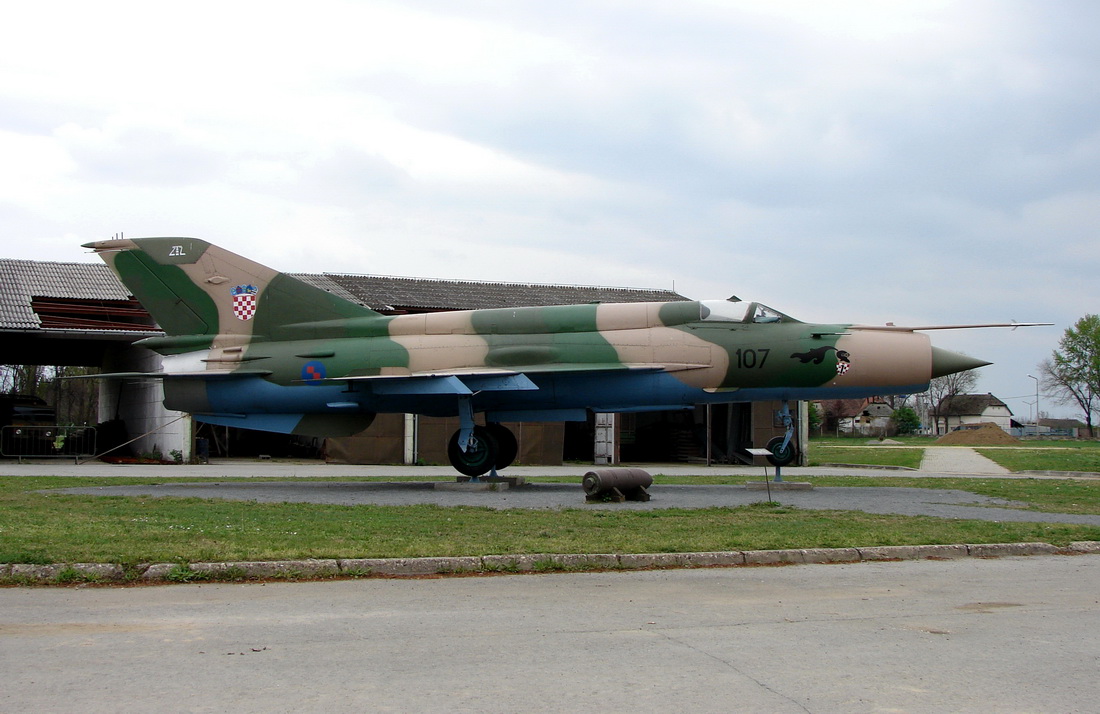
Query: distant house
<point>1073,428</point>
<point>972,409</point>
<point>874,418</point>
<point>857,416</point>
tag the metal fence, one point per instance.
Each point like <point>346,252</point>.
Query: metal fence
<point>47,441</point>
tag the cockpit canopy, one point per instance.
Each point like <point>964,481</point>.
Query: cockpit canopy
<point>726,311</point>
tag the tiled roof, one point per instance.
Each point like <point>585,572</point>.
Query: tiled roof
<point>326,283</point>
<point>1062,423</point>
<point>382,292</point>
<point>24,280</point>
<point>969,404</point>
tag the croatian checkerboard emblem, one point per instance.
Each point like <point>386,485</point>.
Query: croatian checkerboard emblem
<point>244,301</point>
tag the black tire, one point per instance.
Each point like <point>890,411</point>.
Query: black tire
<point>480,454</point>
<point>779,455</point>
<point>507,446</point>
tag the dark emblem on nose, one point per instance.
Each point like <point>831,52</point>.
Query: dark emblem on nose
<point>817,356</point>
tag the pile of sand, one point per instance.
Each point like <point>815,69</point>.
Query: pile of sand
<point>985,434</point>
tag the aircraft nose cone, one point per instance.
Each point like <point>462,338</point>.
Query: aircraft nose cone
<point>946,362</point>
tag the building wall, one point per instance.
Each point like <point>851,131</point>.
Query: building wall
<point>139,404</point>
<point>1000,416</point>
<point>385,442</point>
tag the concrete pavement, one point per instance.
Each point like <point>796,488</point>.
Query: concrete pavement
<point>959,459</point>
<point>250,468</point>
<point>949,461</point>
<point>1010,634</point>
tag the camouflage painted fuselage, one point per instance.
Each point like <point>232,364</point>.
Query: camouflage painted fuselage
<point>251,347</point>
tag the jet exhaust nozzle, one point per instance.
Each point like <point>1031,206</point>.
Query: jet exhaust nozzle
<point>945,362</point>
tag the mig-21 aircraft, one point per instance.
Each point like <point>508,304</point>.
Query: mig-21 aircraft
<point>250,347</point>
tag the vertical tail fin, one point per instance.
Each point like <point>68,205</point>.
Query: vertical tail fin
<point>198,290</point>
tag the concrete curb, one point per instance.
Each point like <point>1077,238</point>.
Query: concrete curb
<point>72,573</point>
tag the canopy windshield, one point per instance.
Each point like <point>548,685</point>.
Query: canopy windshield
<point>726,311</point>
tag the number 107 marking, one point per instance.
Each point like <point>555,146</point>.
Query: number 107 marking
<point>750,359</point>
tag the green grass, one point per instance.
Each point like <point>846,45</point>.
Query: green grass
<point>1046,459</point>
<point>855,441</point>
<point>865,455</point>
<point>43,528</point>
<point>1077,455</point>
<point>1042,495</point>
<point>864,451</point>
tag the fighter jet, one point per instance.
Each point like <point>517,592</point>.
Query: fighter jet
<point>250,347</point>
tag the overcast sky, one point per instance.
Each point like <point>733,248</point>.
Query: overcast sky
<point>916,162</point>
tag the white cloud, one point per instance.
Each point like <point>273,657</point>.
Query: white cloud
<point>32,165</point>
<point>909,161</point>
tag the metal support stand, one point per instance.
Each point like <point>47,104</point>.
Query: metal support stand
<point>465,422</point>
<point>788,422</point>
<point>466,431</point>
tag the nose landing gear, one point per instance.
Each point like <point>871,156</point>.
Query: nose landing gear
<point>782,447</point>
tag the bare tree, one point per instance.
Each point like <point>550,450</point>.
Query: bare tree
<point>21,378</point>
<point>942,389</point>
<point>837,410</point>
<point>76,400</point>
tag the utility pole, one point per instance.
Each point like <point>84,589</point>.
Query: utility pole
<point>1036,404</point>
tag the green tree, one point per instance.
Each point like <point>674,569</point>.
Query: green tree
<point>905,420</point>
<point>814,415</point>
<point>1072,374</point>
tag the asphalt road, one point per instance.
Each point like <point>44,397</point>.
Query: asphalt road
<point>1007,635</point>
<point>904,501</point>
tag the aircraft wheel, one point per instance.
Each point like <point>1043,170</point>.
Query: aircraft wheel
<point>779,455</point>
<point>507,446</point>
<point>479,456</point>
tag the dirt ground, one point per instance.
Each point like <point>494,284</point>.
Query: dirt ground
<point>987,434</point>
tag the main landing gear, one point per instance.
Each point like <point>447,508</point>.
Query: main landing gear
<point>488,448</point>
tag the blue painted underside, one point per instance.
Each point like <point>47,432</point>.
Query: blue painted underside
<point>259,404</point>
<point>280,423</point>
